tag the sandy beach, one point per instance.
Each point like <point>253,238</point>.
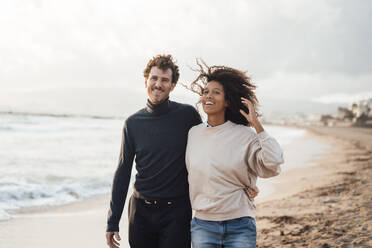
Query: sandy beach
<point>324,205</point>
<point>333,203</point>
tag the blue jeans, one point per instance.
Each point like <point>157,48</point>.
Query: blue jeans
<point>235,233</point>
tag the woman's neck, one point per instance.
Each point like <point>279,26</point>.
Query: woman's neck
<point>215,120</point>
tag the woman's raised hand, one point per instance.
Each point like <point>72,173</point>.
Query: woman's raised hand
<point>252,115</point>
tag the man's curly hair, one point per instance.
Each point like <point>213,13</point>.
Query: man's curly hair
<point>236,84</point>
<point>163,62</point>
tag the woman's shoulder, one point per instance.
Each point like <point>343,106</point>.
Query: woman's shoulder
<point>197,128</point>
<point>241,127</point>
<point>243,130</point>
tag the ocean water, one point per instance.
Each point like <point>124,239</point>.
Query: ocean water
<point>49,160</point>
<point>299,151</point>
<point>46,160</point>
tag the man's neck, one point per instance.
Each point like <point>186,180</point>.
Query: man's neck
<point>157,103</point>
<point>158,108</point>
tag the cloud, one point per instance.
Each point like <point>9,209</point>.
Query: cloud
<point>294,48</point>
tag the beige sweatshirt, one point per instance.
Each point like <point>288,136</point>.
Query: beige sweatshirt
<point>222,162</point>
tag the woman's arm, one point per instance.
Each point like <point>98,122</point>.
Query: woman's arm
<point>264,153</point>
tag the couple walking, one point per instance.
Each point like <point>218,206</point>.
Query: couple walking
<point>183,164</point>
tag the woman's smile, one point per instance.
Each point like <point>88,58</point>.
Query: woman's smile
<point>213,99</point>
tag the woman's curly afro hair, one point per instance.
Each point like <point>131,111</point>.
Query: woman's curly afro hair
<point>236,84</point>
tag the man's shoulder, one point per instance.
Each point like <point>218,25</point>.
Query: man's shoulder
<point>135,116</point>
<point>183,107</point>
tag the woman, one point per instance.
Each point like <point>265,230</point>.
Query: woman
<point>224,157</point>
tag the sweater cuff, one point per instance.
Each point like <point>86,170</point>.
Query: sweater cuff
<point>112,228</point>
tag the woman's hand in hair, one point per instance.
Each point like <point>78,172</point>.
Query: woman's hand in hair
<point>252,115</point>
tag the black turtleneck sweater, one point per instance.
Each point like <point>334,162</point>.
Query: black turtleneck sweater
<point>156,137</point>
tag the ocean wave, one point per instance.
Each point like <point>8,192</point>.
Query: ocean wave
<point>285,135</point>
<point>47,161</point>
<point>6,128</point>
<point>15,196</point>
<point>4,215</point>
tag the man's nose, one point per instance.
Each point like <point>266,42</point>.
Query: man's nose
<point>158,83</point>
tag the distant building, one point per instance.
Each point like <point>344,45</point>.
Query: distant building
<point>359,113</point>
<point>362,111</point>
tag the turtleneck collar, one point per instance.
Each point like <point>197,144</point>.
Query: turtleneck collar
<point>157,109</point>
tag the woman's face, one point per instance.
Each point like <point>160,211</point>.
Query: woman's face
<point>213,99</point>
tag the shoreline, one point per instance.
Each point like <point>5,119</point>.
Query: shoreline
<point>297,191</point>
<point>288,183</point>
<point>15,213</point>
<point>68,207</point>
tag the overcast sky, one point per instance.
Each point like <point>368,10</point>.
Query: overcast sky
<point>74,56</point>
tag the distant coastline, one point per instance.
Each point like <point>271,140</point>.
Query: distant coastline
<point>60,115</point>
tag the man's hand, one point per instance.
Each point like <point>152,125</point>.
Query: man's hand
<point>251,192</point>
<point>112,239</point>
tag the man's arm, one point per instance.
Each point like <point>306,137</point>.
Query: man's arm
<point>121,181</point>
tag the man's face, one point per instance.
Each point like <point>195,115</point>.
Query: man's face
<point>159,84</point>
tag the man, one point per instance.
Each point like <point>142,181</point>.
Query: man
<point>156,136</point>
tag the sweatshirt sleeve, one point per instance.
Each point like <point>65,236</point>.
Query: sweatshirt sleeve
<point>264,156</point>
<point>121,181</point>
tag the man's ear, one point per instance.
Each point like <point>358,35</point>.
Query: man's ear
<point>146,83</point>
<point>173,85</point>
